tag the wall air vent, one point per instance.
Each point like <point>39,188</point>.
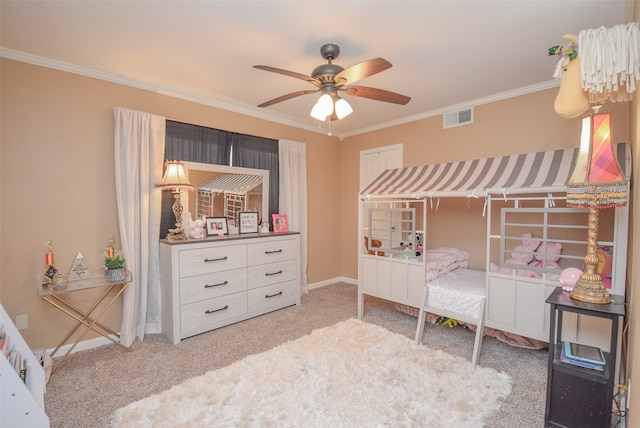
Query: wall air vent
<point>457,118</point>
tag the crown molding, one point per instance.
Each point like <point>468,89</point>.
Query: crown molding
<point>248,111</point>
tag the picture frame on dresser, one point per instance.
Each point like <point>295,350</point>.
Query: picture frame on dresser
<point>280,223</point>
<point>216,225</point>
<point>248,222</point>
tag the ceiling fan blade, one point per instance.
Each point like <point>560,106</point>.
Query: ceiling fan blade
<point>300,76</point>
<point>359,71</point>
<point>377,94</point>
<point>285,97</point>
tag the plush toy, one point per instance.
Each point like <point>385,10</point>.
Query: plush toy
<point>569,277</point>
<point>547,256</point>
<point>521,255</point>
<point>193,228</point>
<point>572,100</point>
<point>374,244</point>
<point>409,245</point>
<point>197,228</point>
<point>186,219</point>
<point>605,260</point>
<point>418,241</point>
<point>448,322</point>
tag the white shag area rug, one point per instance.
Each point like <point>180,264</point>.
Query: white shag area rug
<point>352,374</point>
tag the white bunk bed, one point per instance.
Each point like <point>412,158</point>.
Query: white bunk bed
<point>522,193</point>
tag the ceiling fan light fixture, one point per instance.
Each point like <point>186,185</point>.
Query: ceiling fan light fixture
<point>323,108</point>
<point>343,108</point>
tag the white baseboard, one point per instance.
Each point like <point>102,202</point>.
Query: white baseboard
<point>333,281</point>
<point>82,346</point>
<point>99,341</point>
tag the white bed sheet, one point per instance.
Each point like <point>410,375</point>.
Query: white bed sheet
<point>460,291</point>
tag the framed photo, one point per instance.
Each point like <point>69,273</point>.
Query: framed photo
<point>217,226</point>
<point>248,222</point>
<point>280,223</point>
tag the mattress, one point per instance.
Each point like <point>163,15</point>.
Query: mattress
<point>460,291</point>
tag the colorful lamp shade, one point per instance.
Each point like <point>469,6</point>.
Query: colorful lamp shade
<point>596,182</point>
<point>597,177</point>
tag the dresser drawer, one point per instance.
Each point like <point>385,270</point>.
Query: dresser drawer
<point>213,259</point>
<point>274,296</point>
<point>262,275</point>
<point>196,317</point>
<point>208,286</point>
<point>273,251</point>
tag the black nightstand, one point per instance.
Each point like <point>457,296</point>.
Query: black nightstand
<point>576,396</point>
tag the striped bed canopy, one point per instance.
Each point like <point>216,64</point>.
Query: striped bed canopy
<point>235,184</point>
<point>539,172</point>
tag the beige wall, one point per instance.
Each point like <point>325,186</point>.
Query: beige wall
<point>57,174</point>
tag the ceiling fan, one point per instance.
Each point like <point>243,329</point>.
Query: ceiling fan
<point>330,79</point>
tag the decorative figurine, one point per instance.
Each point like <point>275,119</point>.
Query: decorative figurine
<point>48,257</point>
<point>110,247</point>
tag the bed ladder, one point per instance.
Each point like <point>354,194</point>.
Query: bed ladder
<point>479,322</point>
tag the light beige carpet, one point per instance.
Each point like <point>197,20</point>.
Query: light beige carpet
<point>350,374</point>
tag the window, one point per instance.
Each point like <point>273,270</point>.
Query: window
<point>194,143</point>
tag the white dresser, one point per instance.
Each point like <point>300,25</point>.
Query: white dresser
<point>210,283</point>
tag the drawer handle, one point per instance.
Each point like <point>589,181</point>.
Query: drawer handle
<point>273,252</point>
<point>273,273</point>
<point>216,260</point>
<point>211,311</point>
<point>273,295</point>
<point>215,285</point>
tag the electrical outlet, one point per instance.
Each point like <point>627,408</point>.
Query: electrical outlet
<point>22,322</point>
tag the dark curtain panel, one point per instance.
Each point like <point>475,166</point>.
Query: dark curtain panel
<point>261,153</point>
<point>193,143</point>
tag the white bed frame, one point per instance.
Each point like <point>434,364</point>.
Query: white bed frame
<point>404,280</point>
<point>512,304</point>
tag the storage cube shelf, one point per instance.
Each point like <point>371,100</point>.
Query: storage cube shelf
<point>22,402</point>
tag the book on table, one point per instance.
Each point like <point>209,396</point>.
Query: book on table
<point>586,356</point>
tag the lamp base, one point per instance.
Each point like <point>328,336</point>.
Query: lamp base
<point>590,290</point>
<point>176,234</point>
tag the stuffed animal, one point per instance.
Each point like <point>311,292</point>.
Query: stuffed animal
<point>569,277</point>
<point>605,260</point>
<point>521,255</point>
<point>448,322</point>
<point>572,100</point>
<point>197,228</point>
<point>409,245</point>
<point>547,256</point>
<point>186,220</point>
<point>193,228</point>
<point>374,244</point>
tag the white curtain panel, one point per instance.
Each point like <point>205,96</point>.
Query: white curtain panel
<point>139,151</point>
<point>293,196</point>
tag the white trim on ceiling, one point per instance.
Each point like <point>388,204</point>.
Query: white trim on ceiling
<point>211,102</point>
